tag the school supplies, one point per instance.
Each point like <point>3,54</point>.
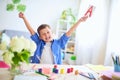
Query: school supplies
<point>89,75</point>
<point>110,75</point>
<point>90,11</point>
<point>97,68</point>
<point>116,62</point>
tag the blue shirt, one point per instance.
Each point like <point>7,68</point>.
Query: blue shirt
<point>56,46</point>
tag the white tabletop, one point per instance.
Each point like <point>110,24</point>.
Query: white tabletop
<point>29,73</point>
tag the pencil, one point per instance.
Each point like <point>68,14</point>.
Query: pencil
<point>42,74</point>
<point>114,61</point>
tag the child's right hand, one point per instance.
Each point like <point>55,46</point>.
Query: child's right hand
<point>84,18</point>
<point>21,15</point>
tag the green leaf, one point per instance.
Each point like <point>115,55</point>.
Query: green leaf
<point>16,1</point>
<point>16,60</point>
<point>10,7</point>
<point>25,54</point>
<point>21,7</point>
<point>25,58</point>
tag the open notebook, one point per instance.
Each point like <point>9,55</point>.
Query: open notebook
<point>98,68</point>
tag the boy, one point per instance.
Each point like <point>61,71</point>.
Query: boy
<point>48,49</point>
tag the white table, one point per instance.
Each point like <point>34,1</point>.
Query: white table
<point>30,75</point>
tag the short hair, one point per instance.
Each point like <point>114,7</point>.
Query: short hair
<point>42,26</point>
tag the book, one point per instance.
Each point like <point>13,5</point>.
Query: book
<point>110,74</point>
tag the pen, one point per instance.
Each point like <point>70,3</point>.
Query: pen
<point>90,77</point>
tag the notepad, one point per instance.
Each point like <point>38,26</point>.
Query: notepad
<point>98,68</point>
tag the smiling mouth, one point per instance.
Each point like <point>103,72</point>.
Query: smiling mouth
<point>47,38</point>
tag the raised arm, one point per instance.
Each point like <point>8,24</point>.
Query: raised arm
<point>72,29</point>
<point>31,30</point>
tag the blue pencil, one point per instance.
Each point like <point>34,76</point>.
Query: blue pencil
<point>117,60</point>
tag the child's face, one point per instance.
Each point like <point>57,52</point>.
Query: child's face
<point>46,34</point>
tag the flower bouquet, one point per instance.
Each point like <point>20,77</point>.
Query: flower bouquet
<point>18,51</point>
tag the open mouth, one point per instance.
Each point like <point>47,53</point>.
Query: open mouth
<point>48,38</point>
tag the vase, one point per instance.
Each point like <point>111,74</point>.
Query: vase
<point>14,70</point>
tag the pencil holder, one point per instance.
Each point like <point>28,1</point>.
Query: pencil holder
<point>116,67</point>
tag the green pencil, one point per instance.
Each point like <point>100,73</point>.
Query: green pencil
<point>42,74</point>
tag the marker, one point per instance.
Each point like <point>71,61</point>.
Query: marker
<point>62,71</point>
<point>41,74</point>
<point>76,72</point>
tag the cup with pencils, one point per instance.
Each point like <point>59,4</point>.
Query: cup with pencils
<point>116,62</point>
